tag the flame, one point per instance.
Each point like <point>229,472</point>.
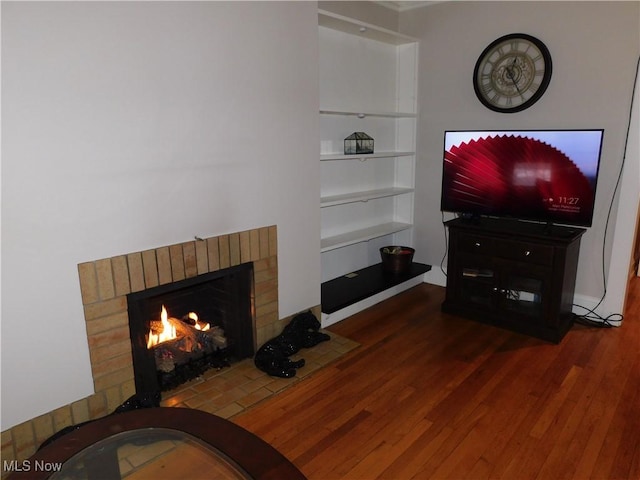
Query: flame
<point>198,325</point>
<point>168,331</point>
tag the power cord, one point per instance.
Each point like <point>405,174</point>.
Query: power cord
<point>591,318</point>
<point>446,245</point>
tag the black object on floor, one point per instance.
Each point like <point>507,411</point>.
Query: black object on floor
<point>302,332</point>
<point>134,402</point>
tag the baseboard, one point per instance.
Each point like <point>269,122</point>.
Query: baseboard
<point>436,276</point>
<point>583,304</point>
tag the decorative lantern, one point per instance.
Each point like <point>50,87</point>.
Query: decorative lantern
<point>357,143</point>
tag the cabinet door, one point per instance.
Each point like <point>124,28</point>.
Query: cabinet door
<point>524,291</point>
<point>474,281</point>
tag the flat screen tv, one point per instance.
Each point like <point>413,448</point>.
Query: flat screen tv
<point>542,175</point>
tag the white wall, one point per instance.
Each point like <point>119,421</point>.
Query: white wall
<point>366,11</point>
<point>132,125</point>
<point>627,217</point>
<point>594,47</point>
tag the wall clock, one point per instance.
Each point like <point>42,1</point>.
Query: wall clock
<point>512,73</point>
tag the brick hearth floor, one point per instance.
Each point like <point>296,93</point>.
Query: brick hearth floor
<point>227,392</point>
<point>230,391</point>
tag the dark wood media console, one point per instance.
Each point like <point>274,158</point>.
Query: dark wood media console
<point>512,274</point>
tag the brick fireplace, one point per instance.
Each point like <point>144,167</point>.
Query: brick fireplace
<point>105,285</point>
<point>210,325</point>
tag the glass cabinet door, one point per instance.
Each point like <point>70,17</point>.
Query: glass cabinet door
<point>522,291</point>
<point>477,281</point>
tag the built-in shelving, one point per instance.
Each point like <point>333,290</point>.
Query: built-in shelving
<point>344,291</point>
<point>369,114</point>
<point>362,235</point>
<point>361,29</point>
<point>349,294</point>
<point>362,157</point>
<point>364,196</point>
<point>368,83</point>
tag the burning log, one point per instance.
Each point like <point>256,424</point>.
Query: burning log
<point>161,331</point>
<point>216,336</point>
<point>164,360</point>
<point>184,348</point>
<point>156,327</point>
<point>190,318</point>
<point>189,343</point>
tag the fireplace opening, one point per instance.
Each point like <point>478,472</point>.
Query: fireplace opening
<point>181,329</point>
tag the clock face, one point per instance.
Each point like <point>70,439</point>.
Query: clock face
<point>512,73</point>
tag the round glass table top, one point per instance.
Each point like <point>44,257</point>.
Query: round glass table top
<point>150,453</point>
<point>158,443</point>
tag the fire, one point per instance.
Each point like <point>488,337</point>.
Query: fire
<point>168,331</point>
<point>198,325</point>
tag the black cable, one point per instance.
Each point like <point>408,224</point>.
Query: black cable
<point>591,318</point>
<point>446,245</point>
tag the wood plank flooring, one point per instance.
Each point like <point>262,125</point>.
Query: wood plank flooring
<point>432,396</point>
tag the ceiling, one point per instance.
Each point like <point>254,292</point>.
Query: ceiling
<point>402,6</point>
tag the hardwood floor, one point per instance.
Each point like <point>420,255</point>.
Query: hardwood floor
<point>431,396</point>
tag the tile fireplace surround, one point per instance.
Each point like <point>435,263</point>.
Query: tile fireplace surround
<point>104,286</point>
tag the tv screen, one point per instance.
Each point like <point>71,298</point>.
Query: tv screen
<point>544,175</point>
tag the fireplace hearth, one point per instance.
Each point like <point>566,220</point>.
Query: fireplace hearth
<point>106,283</point>
<point>180,330</point>
<point>104,286</point>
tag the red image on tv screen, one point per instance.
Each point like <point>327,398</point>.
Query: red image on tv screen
<point>516,176</point>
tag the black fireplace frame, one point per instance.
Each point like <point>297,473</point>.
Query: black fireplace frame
<point>241,331</point>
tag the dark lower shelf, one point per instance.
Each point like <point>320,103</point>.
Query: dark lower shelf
<point>343,291</point>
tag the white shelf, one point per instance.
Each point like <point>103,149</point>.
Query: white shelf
<point>365,114</point>
<point>368,83</point>
<point>364,196</point>
<point>357,236</point>
<point>341,156</point>
<point>361,29</point>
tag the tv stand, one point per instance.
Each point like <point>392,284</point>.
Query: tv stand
<point>512,274</point>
